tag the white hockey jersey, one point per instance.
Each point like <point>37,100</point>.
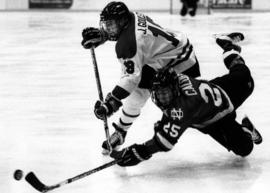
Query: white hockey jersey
<point>146,43</point>
<point>143,48</point>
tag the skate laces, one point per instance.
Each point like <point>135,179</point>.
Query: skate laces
<point>116,138</point>
<point>236,39</point>
<point>256,136</point>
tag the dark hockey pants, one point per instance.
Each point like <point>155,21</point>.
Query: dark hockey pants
<point>238,84</point>
<point>229,133</point>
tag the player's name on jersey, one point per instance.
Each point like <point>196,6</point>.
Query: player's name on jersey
<point>142,26</point>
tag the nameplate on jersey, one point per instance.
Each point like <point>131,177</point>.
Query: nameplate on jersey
<point>141,25</point>
<point>186,85</point>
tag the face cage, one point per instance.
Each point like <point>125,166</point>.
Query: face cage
<point>111,28</point>
<point>163,97</point>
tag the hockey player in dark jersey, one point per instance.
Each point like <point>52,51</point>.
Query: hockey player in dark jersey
<point>209,106</point>
<point>142,47</point>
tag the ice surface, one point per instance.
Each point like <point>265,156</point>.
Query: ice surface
<point>47,92</point>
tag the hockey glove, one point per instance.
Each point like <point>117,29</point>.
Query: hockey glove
<point>131,155</point>
<point>92,37</point>
<point>107,108</point>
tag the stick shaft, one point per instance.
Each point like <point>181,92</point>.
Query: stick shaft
<point>105,121</point>
<point>96,74</point>
<point>82,175</point>
<point>38,185</point>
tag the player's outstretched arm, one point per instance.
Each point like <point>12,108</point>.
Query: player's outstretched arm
<point>137,153</point>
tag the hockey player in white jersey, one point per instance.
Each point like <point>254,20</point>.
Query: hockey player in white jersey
<point>142,47</point>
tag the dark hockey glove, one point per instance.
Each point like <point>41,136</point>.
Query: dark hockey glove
<point>107,108</point>
<point>101,110</point>
<point>131,155</point>
<point>92,37</point>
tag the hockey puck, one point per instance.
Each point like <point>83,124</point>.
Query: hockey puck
<point>18,174</point>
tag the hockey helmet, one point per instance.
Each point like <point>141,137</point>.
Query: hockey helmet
<point>114,18</point>
<point>164,88</point>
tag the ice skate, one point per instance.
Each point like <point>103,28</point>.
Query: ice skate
<point>256,136</point>
<point>116,140</point>
<point>229,41</point>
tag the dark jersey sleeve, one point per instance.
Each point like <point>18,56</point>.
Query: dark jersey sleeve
<point>167,132</point>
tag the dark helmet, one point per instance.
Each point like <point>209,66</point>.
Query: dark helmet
<point>114,18</point>
<point>164,88</point>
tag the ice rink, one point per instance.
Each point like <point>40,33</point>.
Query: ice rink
<point>48,89</point>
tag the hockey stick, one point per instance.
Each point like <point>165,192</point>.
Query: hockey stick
<point>32,179</point>
<point>105,121</point>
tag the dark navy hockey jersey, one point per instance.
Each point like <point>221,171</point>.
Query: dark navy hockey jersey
<point>200,104</point>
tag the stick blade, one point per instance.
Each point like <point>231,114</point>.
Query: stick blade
<point>32,179</point>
